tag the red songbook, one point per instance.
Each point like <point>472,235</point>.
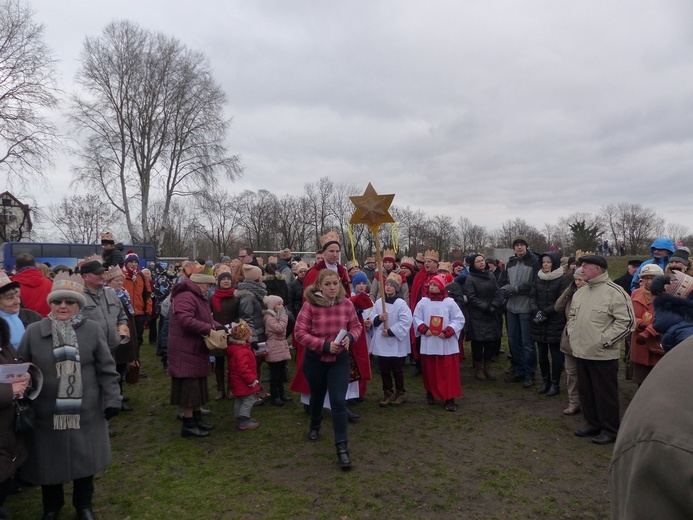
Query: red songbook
<point>436,325</point>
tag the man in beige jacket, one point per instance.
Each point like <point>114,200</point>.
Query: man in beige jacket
<point>601,318</point>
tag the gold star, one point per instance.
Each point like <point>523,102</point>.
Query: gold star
<point>372,209</point>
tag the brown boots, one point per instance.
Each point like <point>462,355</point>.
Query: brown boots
<point>482,371</point>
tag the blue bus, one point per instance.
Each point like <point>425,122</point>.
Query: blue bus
<point>67,254</point>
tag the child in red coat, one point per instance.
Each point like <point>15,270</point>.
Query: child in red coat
<point>243,379</point>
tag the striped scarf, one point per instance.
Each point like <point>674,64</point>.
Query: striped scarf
<point>68,403</point>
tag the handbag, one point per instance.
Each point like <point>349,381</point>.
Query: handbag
<point>25,416</point>
<point>132,374</point>
<point>216,342</point>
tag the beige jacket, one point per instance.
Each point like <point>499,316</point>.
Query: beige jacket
<point>601,318</point>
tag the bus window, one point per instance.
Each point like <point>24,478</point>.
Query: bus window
<point>21,248</point>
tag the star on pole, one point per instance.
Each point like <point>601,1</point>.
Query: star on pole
<point>372,209</point>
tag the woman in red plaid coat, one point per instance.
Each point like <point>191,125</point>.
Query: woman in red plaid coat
<point>327,326</point>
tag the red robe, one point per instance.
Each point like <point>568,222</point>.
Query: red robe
<point>299,383</point>
<point>359,349</point>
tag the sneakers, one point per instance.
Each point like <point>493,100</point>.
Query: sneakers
<point>259,401</point>
<point>400,399</point>
<point>246,423</point>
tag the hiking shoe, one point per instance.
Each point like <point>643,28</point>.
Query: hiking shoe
<point>400,398</point>
<point>248,424</point>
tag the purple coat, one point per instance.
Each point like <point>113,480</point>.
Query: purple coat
<point>190,319</point>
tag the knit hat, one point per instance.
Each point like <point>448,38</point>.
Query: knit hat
<point>520,239</point>
<point>130,256</point>
<point>107,236</point>
<point>202,278</point>
<point>358,278</point>
<point>222,275</point>
<point>68,286</point>
<point>395,280</point>
<point>225,259</point>
<point>408,262</point>
<point>6,284</point>
<point>594,259</point>
<point>681,285</point>
<point>302,266</point>
<point>272,301</point>
<point>61,267</point>
<point>113,272</point>
<point>680,255</point>
<point>240,333</point>
<point>457,263</point>
<point>439,281</point>
<point>491,260</point>
<point>650,270</point>
<point>92,265</point>
<point>146,272</point>
<point>251,272</point>
<point>635,263</point>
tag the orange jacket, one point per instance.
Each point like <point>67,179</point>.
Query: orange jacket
<point>140,293</point>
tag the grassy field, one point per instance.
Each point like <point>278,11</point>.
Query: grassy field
<point>506,453</point>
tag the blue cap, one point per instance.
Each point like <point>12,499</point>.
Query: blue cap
<point>359,278</point>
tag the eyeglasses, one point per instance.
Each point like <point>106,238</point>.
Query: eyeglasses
<point>107,243</point>
<point>66,301</point>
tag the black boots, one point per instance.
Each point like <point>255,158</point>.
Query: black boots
<point>197,418</point>
<point>553,389</point>
<point>191,429</point>
<point>545,386</point>
<point>314,433</point>
<point>343,455</point>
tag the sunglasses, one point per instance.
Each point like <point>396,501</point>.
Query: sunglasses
<point>67,301</point>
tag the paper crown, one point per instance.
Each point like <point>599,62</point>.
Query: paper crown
<point>445,266</point>
<point>389,253</point>
<point>420,257</point>
<point>240,332</point>
<point>113,272</point>
<point>407,261</point>
<point>189,267</point>
<point>329,238</point>
<point>430,254</point>
<point>394,277</point>
<point>93,258</point>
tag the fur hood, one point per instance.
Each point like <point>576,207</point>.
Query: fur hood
<point>314,297</point>
<point>679,306</point>
<point>278,276</point>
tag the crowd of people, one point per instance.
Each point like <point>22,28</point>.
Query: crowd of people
<point>82,332</point>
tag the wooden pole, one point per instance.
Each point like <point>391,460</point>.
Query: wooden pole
<point>379,267</point>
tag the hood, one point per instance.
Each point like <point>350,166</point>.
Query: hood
<point>681,307</point>
<point>317,299</point>
<point>555,259</point>
<point>185,285</point>
<point>662,243</point>
<point>30,277</point>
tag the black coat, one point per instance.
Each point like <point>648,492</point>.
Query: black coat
<point>484,306</point>
<point>543,297</point>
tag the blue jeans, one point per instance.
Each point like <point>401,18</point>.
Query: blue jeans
<point>333,377</point>
<point>522,347</point>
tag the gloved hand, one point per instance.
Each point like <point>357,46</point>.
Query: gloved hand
<point>509,289</point>
<point>254,345</point>
<point>539,318</point>
<point>109,413</point>
<point>642,338</point>
<point>641,326</point>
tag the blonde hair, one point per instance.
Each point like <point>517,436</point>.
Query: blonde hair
<point>324,273</point>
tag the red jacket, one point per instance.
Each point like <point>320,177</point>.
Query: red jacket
<point>651,351</point>
<point>242,369</point>
<point>34,289</point>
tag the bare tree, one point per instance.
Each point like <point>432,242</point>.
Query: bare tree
<point>677,232</point>
<point>82,218</point>
<point>221,219</point>
<point>27,88</point>
<point>318,196</point>
<point>153,118</point>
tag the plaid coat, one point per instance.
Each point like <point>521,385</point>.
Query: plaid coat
<point>320,321</point>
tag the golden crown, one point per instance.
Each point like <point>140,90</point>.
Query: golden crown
<point>389,253</point>
<point>430,254</point>
<point>111,273</point>
<point>67,282</point>
<point>330,236</point>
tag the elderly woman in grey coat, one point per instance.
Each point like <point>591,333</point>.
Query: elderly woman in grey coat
<point>80,392</point>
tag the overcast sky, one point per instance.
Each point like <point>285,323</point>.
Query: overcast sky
<point>487,109</point>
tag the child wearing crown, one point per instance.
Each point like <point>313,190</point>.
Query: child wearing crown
<point>438,321</point>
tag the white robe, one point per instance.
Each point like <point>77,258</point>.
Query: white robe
<point>399,322</point>
<point>452,317</point>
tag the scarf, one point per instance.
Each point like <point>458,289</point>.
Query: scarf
<point>438,297</point>
<point>131,273</point>
<point>124,298</point>
<point>257,288</point>
<point>220,294</point>
<point>16,327</point>
<point>68,403</point>
<point>553,275</point>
